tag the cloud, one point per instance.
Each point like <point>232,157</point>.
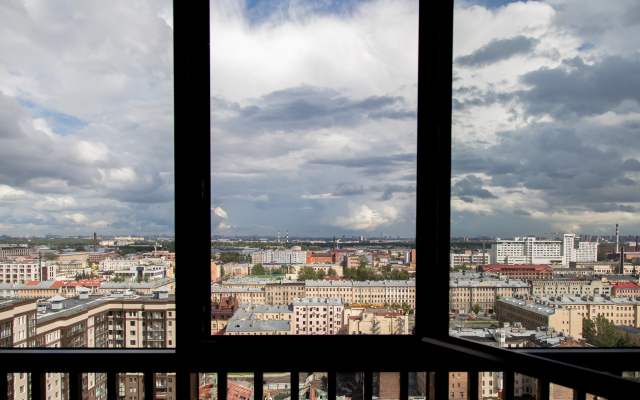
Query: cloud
<point>320,196</point>
<point>220,212</point>
<point>469,187</point>
<point>583,89</point>
<point>362,217</point>
<point>497,50</point>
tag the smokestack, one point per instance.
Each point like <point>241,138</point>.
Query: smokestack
<point>94,242</point>
<point>287,236</point>
<point>279,236</point>
<point>622,261</point>
<point>617,236</point>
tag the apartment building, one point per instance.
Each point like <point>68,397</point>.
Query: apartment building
<point>318,316</point>
<point>625,289</point>
<point>39,289</point>
<point>469,257</point>
<point>279,257</point>
<point>322,258</point>
<point>533,314</point>
<point>19,272</point>
<point>114,264</point>
<point>550,248</point>
<point>283,291</point>
<point>89,321</point>
<point>565,313</point>
<point>250,295</point>
<point>466,293</point>
<point>527,250</point>
<point>522,271</point>
<point>373,322</point>
<point>571,286</point>
<point>141,288</point>
<point>353,293</point>
<point>222,312</point>
<point>11,252</point>
<point>366,292</point>
<point>252,319</point>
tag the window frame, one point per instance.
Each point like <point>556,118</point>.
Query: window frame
<point>430,349</point>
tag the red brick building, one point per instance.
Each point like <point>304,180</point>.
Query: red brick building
<point>323,258</point>
<point>625,289</point>
<point>522,272</point>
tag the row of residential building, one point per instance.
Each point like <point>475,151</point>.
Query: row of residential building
<point>485,288</point>
<point>309,316</point>
<point>565,313</point>
<point>41,289</point>
<point>335,256</point>
<point>25,271</point>
<point>284,292</point>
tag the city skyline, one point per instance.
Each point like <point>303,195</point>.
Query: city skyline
<point>545,113</point>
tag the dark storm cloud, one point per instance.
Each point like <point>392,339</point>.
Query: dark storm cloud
<point>611,207</point>
<point>471,186</point>
<point>305,108</point>
<point>497,50</point>
<point>631,164</point>
<point>558,162</point>
<point>348,189</point>
<point>583,90</point>
<point>374,165</point>
<point>479,98</point>
<point>389,190</point>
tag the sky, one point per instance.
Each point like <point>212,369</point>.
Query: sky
<point>86,117</point>
<point>546,118</point>
<point>313,117</point>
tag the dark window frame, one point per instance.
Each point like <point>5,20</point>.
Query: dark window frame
<point>430,349</point>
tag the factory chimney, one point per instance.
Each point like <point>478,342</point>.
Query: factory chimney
<point>622,261</point>
<point>617,237</point>
<point>94,242</point>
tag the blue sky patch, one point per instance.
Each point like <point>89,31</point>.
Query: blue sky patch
<point>60,123</point>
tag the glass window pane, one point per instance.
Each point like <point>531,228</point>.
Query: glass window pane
<point>313,170</point>
<point>88,171</point>
<point>540,126</point>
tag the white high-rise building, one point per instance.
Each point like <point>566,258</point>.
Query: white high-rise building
<point>550,248</point>
<point>279,257</point>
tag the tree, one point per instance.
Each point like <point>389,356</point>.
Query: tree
<point>320,274</point>
<point>476,308</point>
<point>602,333</point>
<point>230,256</point>
<point>332,272</point>
<point>306,273</point>
<point>49,256</point>
<point>80,248</point>
<point>258,269</point>
<point>146,277</point>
